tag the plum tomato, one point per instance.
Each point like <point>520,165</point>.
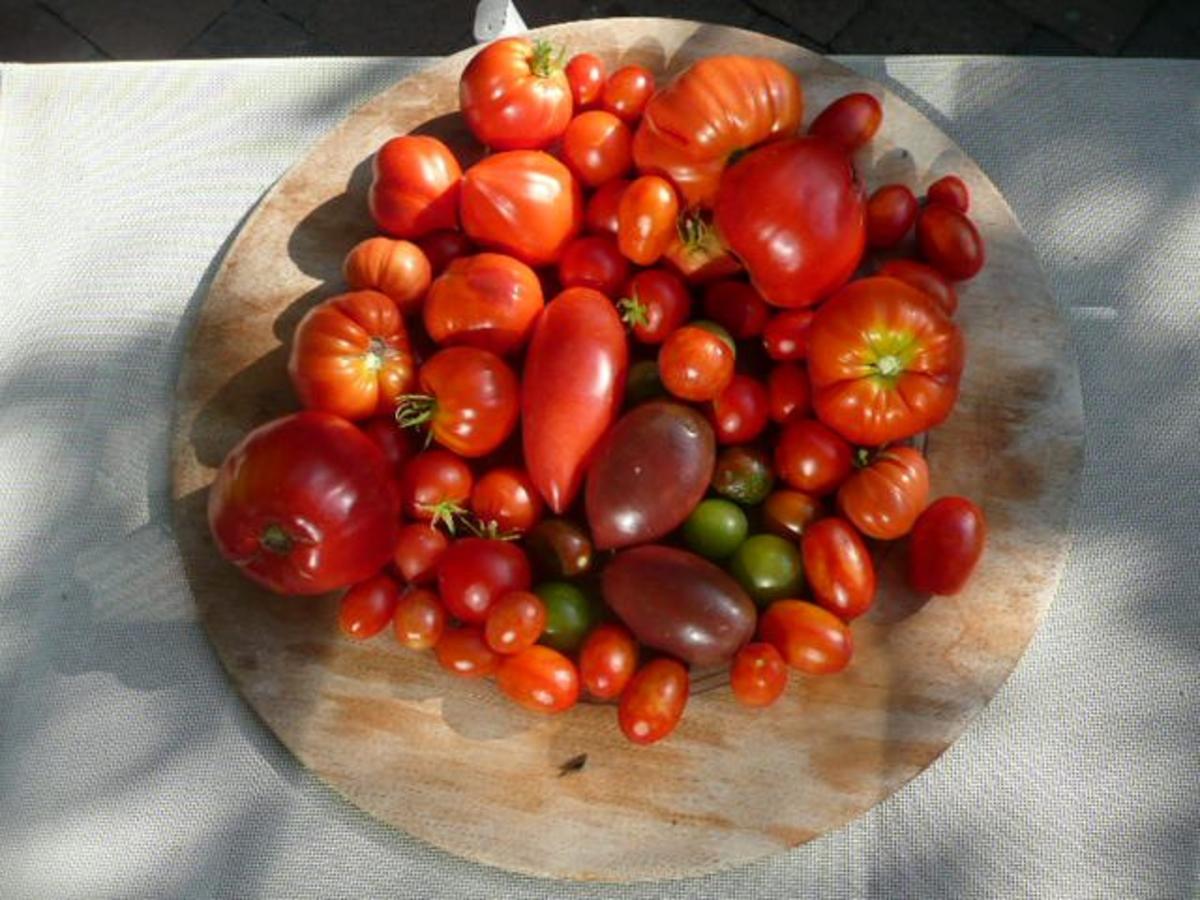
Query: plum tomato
<point>654,700</point>
<point>435,487</point>
<point>593,261</point>
<point>925,279</point>
<point>743,474</point>
<point>838,567</point>
<point>464,652</point>
<point>607,660</point>
<point>758,675</point>
<point>656,303</point>
<point>849,122</point>
<point>768,567</point>
<point>570,615</point>
<point>812,457</point>
<point>740,412</point>
<point>737,307</point>
<point>418,549</point>
<point>789,513</point>
<point>586,75</point>
<point>891,211</point>
<point>539,679</point>
<point>695,363</point>
<point>627,92</point>
<point>603,208</point>
<point>474,573</point>
<point>597,147</point>
<point>367,608</point>
<point>883,498</point>
<point>810,639</point>
<point>786,335</point>
<point>646,219</point>
<point>559,548</point>
<point>506,503</point>
<point>515,622</point>
<point>715,528</point>
<point>789,396</point>
<point>951,191</point>
<point>945,545</point>
<point>420,619</point>
<point>950,242</point>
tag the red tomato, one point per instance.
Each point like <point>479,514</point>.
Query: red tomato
<point>627,92</point>
<point>443,247</point>
<point>489,301</point>
<point>464,652</point>
<point>303,505</point>
<point>418,549</point>
<point>789,513</point>
<point>603,207</point>
<point>786,335</point>
<point>607,660</point>
<point>739,413</point>
<point>367,608</point>
<point>758,675</point>
<point>718,107</point>
<point>812,457</point>
<point>646,219</point>
<point>697,251</point>
<point>434,487</point>
<point>656,304</point>
<point>838,568</point>
<point>524,203</point>
<point>884,499</point>
<point>506,502</point>
<point>539,679</point>
<point>398,445</point>
<point>884,362</point>
<point>950,242</point>
<point>925,279</point>
<point>950,190</point>
<point>810,639</point>
<point>794,214</point>
<point>515,95</point>
<point>788,395</point>
<point>351,356</point>
<point>415,186</point>
<point>476,572</point>
<point>470,400</point>
<point>653,702</point>
<point>593,261</point>
<point>695,364</point>
<point>849,122</point>
<point>597,147</point>
<point>420,619</point>
<point>737,307</point>
<point>515,622</point>
<point>396,268</point>
<point>945,546</point>
<point>586,74</point>
<point>572,390</point>
<point>891,211</point>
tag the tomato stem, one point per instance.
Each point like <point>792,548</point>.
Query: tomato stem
<point>414,410</point>
<point>889,366</point>
<point>633,311</point>
<point>445,512</point>
<point>489,529</point>
<point>863,457</point>
<point>275,540</point>
<point>546,60</point>
<point>694,233</point>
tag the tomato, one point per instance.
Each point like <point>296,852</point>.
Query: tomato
<point>950,242</point>
<point>643,383</point>
<point>570,615</point>
<point>418,549</point>
<point>572,389</point>
<point>737,307</point>
<point>505,502</point>
<point>627,92</point>
<point>586,75</point>
<point>434,487</point>
<point>515,622</point>
<point>475,572</point>
<point>849,122</point>
<point>884,499</point>
<point>646,219</point>
<point>489,301</point>
<point>810,639</point>
<point>657,303</point>
<point>812,457</point>
<point>743,474</point>
<point>594,261</point>
<point>718,107</point>
<point>789,513</point>
<point>539,679</point>
<point>794,214</point>
<point>945,546</point>
<point>443,247</point>
<point>515,95</point>
<point>464,652</point>
<point>788,395</point>
<point>838,567</point>
<point>768,567</point>
<point>607,661</point>
<point>304,505</point>
<point>695,364</point>
<point>884,362</point>
<point>398,445</point>
<point>366,609</point>
<point>603,207</point>
<point>597,147</point>
<point>925,279</point>
<point>559,549</point>
<point>950,190</point>
<point>739,413</point>
<point>653,702</point>
<point>891,211</point>
<point>524,203</point>
<point>414,189</point>
<point>697,252</point>
<point>351,356</point>
<point>396,268</point>
<point>420,619</point>
<point>786,335</point>
<point>758,675</point>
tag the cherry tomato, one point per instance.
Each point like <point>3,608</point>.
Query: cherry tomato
<point>646,219</point>
<point>739,413</point>
<point>515,95</point>
<point>789,396</point>
<point>443,247</point>
<point>883,499</point>
<point>925,279</point>
<point>653,702</point>
<point>506,503</point>
<point>603,207</point>
<point>435,486</point>
<point>607,660</point>
<point>539,679</point>
<point>768,567</point>
<point>464,652</point>
<point>697,252</point>
<point>951,191</point>
<point>396,268</point>
<point>489,301</point>
<point>594,261</point>
<point>810,639</point>
<point>789,513</point>
<point>657,302</point>
<point>414,189</point>
<point>586,75</point>
<point>849,121</point>
<point>758,675</point>
<point>838,567</point>
<point>420,619</point>
<point>737,307</point>
<point>398,445</point>
<point>695,364</point>
<point>950,242</point>
<point>945,546</point>
<point>559,549</point>
<point>643,383</point>
<point>743,474</point>
<point>627,92</point>
<point>418,549</point>
<point>715,528</point>
<point>891,211</point>
<point>786,335</point>
<point>570,615</point>
<point>367,608</point>
<point>812,457</point>
<point>515,622</point>
<point>597,147</point>
<point>474,573</point>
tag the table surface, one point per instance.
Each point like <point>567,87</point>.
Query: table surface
<point>130,767</point>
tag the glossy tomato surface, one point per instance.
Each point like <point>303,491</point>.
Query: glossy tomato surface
<point>849,122</point>
<point>891,211</point>
<point>950,242</point>
<point>603,207</point>
<point>789,396</point>
<point>514,94</point>
<point>810,639</point>
<point>594,261</point>
<point>695,363</point>
<point>950,190</point>
<point>443,247</point>
<point>506,502</point>
<point>420,619</point>
<point>367,608</point>
<point>414,190</point>
<point>489,301</point>
<point>586,74</point>
<point>539,679</point>
<point>740,412</point>
<point>419,546</point>
<point>434,486</point>
<point>597,147</point>
<point>515,622</point>
<point>646,219</point>
<point>838,568</point>
<point>464,652</point>
<point>785,337</point>
<point>656,302</point>
<point>924,278</point>
<point>812,457</point>
<point>884,498</point>
<point>474,573</point>
<point>945,546</point>
<point>627,91</point>
<point>758,675</point>
<point>652,704</point>
<point>607,661</point>
<point>697,252</point>
<point>399,269</point>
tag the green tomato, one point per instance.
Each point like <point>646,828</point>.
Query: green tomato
<point>768,567</point>
<point>715,528</point>
<point>743,474</point>
<point>570,615</point>
<point>643,383</point>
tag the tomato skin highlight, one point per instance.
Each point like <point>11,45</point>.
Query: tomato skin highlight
<point>810,639</point>
<point>813,458</point>
<point>515,622</point>
<point>758,675</point>
<point>656,303</point>
<point>838,568</point>
<point>488,301</point>
<point>420,619</point>
<point>789,396</point>
<point>433,484</point>
<point>597,147</point>
<point>539,679</point>
<point>950,242</point>
<point>367,608</point>
<point>514,95</point>
<point>739,414</point>
<point>463,652</point>
<point>646,219</point>
<point>786,335</point>
<point>945,546</point>
<point>505,500</point>
<point>607,661</point>
<point>398,269</point>
<point>652,704</point>
<point>586,75</point>
<point>627,91</point>
<point>695,364</point>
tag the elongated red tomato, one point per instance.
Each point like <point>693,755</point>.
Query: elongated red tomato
<point>367,608</point>
<point>884,498</point>
<point>572,389</point>
<point>515,622</point>
<point>810,639</point>
<point>464,652</point>
<point>653,702</point>
<point>838,568</point>
<point>849,122</point>
<point>396,268</point>
<point>950,242</point>
<point>627,91</point>
<point>539,679</point>
<point>925,279</point>
<point>646,219</point>
<point>607,661</point>
<point>515,95</point>
<point>415,186</point>
<point>951,191</point>
<point>488,301</point>
<point>420,619</point>
<point>586,73</point>
<point>891,211</point>
<point>945,546</point>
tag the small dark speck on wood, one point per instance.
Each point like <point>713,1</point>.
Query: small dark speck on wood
<point>574,764</point>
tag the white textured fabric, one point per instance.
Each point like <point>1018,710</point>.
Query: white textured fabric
<point>130,768</point>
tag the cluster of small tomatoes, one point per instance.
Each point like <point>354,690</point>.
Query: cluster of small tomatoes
<point>579,496</point>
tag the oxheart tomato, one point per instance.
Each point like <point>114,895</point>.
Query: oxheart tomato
<point>474,573</point>
<point>597,147</point>
<point>489,301</point>
<point>838,567</point>
<point>891,211</point>
<point>396,268</point>
<point>646,219</point>
<point>656,303</point>
<point>415,186</point>
<point>884,362</point>
<point>572,389</point>
<point>719,106</point>
<point>950,241</point>
<point>884,498</point>
<point>794,214</point>
<point>304,505</point>
<point>653,702</point>
<point>849,122</point>
<point>524,203</point>
<point>925,279</point>
<point>697,252</point>
<point>351,356</point>
<point>515,95</point>
<point>809,638</point>
<point>539,679</point>
<point>594,261</point>
<point>945,546</point>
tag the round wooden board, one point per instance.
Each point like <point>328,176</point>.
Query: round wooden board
<point>449,760</point>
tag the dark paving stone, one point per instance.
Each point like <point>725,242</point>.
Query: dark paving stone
<point>252,28</point>
<point>29,33</point>
<point>1100,25</point>
<point>1044,42</point>
<point>932,26</point>
<point>1172,29</point>
<point>384,27</point>
<point>820,20</point>
<point>139,29</point>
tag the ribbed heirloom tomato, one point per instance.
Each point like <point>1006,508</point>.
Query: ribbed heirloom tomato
<point>415,186</point>
<point>515,95</point>
<point>396,268</point>
<point>488,301</point>
<point>884,498</point>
